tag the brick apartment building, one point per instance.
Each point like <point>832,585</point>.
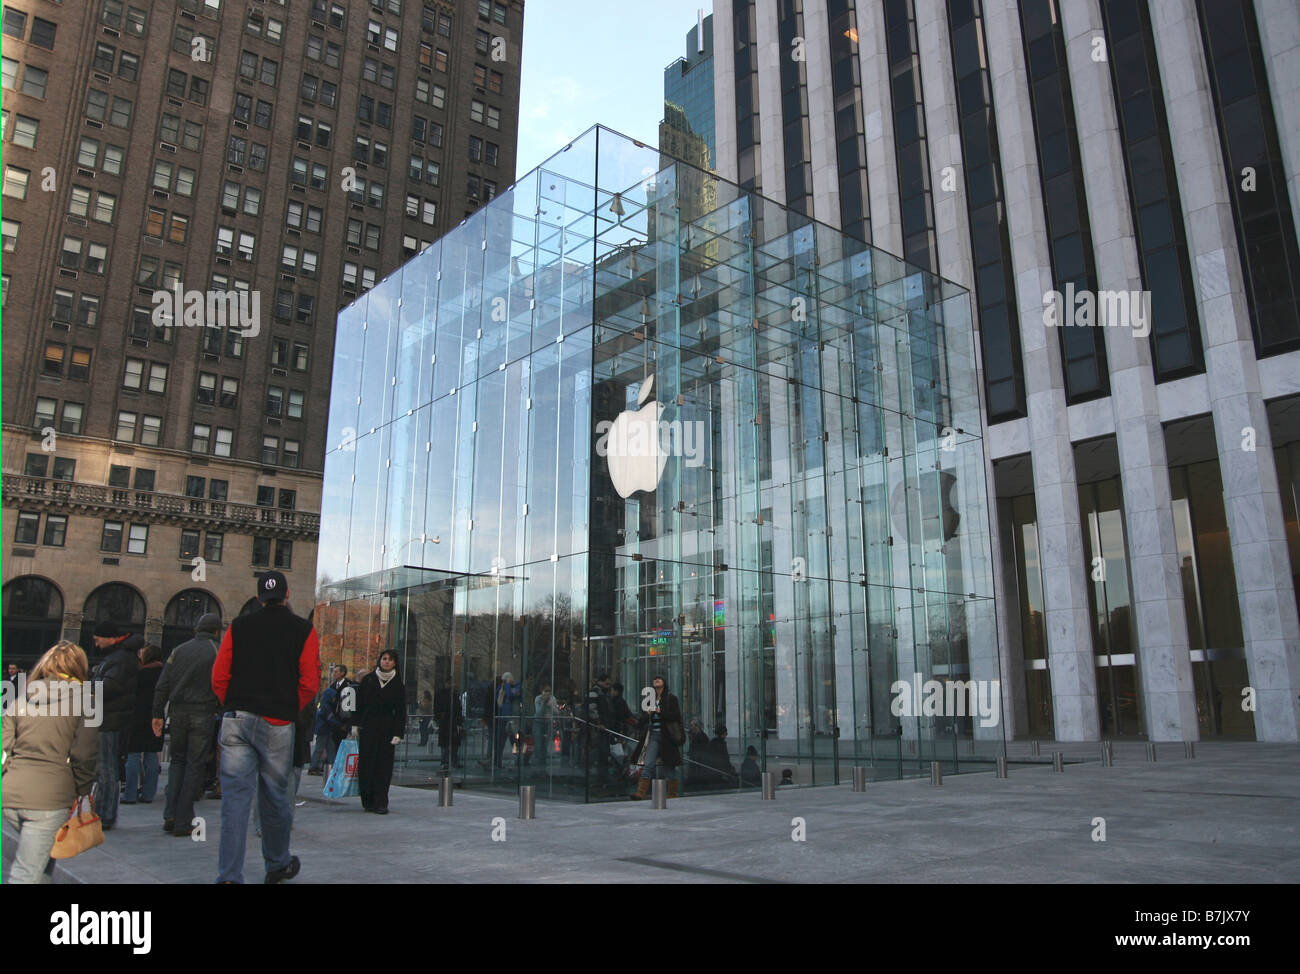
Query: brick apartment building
<point>270,156</point>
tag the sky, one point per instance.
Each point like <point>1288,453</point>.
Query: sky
<point>589,61</point>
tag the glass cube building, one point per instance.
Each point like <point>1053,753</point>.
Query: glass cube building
<point>631,419</point>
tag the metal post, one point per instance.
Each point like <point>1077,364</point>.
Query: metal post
<point>1058,760</point>
<point>1189,749</point>
<point>1033,748</point>
<point>527,801</point>
<point>659,792</point>
<point>1002,765</point>
<point>936,773</point>
<point>1107,755</point>
<point>859,779</point>
<point>444,792</point>
<point>1151,750</point>
<point>769,786</point>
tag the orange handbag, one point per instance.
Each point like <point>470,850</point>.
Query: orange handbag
<point>79,833</point>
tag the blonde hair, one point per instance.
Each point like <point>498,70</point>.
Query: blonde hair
<point>63,659</point>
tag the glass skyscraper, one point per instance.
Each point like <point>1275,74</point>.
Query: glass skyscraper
<point>611,424</point>
<point>687,131</point>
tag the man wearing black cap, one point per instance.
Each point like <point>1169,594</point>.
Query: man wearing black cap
<point>185,691</point>
<point>267,670</point>
<point>115,678</point>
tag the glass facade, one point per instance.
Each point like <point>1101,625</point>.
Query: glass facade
<point>614,425</point>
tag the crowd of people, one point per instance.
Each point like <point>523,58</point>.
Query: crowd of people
<point>241,707</point>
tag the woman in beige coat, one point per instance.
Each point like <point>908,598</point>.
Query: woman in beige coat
<point>51,757</point>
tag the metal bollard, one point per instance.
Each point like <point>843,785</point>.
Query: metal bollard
<point>859,779</point>
<point>1151,750</point>
<point>1189,749</point>
<point>936,773</point>
<point>1107,755</point>
<point>659,792</point>
<point>527,801</point>
<point>1033,748</point>
<point>1002,766</point>
<point>769,786</point>
<point>1058,760</point>
<point>444,792</point>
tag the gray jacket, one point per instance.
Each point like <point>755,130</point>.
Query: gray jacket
<point>49,761</point>
<point>186,680</point>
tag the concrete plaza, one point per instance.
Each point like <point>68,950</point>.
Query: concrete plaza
<point>1231,814</point>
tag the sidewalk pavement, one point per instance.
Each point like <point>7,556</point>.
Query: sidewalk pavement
<point>1228,815</point>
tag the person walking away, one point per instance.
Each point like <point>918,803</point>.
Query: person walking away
<point>49,761</point>
<point>381,717</point>
<point>661,737</point>
<point>184,694</point>
<point>331,724</point>
<point>267,671</point>
<point>142,745</point>
<point>116,675</point>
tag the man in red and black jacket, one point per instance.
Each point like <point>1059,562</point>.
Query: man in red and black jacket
<point>267,670</point>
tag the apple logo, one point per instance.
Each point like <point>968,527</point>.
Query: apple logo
<point>631,447</point>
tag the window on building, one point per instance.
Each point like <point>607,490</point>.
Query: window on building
<point>27,530</point>
<point>110,538</point>
<point>71,417</point>
<point>56,530</point>
<point>283,553</point>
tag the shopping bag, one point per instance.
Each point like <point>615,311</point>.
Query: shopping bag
<point>342,780</point>
<point>80,832</point>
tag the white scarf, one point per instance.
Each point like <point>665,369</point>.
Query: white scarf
<point>385,678</point>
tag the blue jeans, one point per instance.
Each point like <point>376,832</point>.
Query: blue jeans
<point>106,787</point>
<point>36,830</point>
<point>256,761</point>
<point>144,789</point>
<point>653,769</point>
<point>257,806</point>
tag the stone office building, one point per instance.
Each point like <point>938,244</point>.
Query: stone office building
<point>282,154</point>
<point>1144,471</point>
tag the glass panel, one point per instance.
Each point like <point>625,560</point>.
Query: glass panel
<point>645,423</point>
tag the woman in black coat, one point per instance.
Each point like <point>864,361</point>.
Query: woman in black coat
<point>661,737</point>
<point>141,745</point>
<point>381,723</point>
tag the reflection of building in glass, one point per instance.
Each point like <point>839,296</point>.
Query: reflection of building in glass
<point>807,537</point>
<point>688,100</point>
